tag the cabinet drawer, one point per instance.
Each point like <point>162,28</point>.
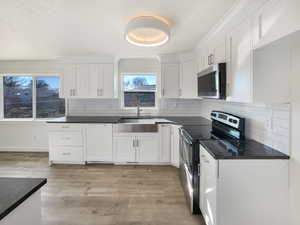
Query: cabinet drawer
<point>66,139</point>
<point>66,154</point>
<point>65,127</point>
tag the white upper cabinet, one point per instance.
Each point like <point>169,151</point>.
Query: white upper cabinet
<point>82,80</point>
<point>170,80</point>
<point>212,54</point>
<point>101,83</point>
<point>188,80</point>
<point>239,64</point>
<point>276,19</point>
<point>87,80</point>
<point>68,84</point>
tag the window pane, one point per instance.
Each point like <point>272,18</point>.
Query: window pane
<point>139,82</point>
<point>17,93</point>
<point>48,103</point>
<point>145,99</point>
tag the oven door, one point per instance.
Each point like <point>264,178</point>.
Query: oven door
<point>186,170</point>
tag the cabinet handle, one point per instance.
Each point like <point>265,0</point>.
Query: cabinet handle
<point>163,92</point>
<point>206,161</point>
<point>74,92</point>
<point>66,153</point>
<point>133,143</point>
<point>180,92</point>
<point>137,143</point>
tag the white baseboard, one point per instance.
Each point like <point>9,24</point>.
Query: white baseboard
<point>24,149</point>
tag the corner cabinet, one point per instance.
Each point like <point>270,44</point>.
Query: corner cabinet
<point>84,80</point>
<point>232,189</point>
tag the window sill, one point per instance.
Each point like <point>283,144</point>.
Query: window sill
<point>31,120</point>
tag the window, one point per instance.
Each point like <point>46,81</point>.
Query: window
<point>139,89</point>
<point>17,97</point>
<point>19,93</point>
<point>48,103</point>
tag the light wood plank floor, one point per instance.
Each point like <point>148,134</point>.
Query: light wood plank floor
<point>104,194</point>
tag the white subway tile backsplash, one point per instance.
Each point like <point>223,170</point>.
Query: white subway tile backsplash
<point>268,124</point>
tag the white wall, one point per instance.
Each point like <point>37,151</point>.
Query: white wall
<point>295,133</point>
<point>25,135</point>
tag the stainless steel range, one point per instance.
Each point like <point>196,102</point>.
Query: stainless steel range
<point>225,127</point>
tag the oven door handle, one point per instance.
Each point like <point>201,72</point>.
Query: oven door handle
<point>186,140</point>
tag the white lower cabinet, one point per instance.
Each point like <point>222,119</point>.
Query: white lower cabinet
<point>248,192</point>
<point>124,149</point>
<point>66,143</point>
<point>137,148</point>
<point>99,143</point>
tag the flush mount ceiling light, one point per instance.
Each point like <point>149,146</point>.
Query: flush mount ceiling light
<point>148,31</point>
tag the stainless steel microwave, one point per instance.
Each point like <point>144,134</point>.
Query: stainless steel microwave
<point>212,82</point>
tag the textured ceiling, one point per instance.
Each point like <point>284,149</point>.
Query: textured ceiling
<point>45,29</point>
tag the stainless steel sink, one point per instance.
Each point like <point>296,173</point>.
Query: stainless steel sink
<point>134,125</point>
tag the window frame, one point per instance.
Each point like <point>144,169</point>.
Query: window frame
<point>34,77</point>
<point>122,90</point>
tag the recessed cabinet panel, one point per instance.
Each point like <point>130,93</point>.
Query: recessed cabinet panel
<point>108,81</point>
<point>88,80</point>
<point>188,80</point>
<point>124,150</point>
<point>82,80</point>
<point>69,80</point>
<point>170,81</point>
<point>147,149</point>
<point>240,64</point>
<point>99,143</point>
<point>165,143</point>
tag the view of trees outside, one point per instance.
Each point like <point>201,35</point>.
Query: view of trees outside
<point>139,89</point>
<point>48,103</point>
<point>18,96</point>
<point>17,92</point>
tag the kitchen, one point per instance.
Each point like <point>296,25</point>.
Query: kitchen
<point>111,128</point>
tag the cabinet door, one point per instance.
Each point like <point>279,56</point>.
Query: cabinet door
<point>208,188</point>
<point>69,80</point>
<point>220,52</point>
<point>82,80</point>
<point>95,80</point>
<point>124,150</point>
<point>188,80</point>
<point>240,71</point>
<point>147,149</point>
<point>165,143</point>
<point>175,145</point>
<point>99,142</point>
<point>108,81</point>
<point>170,78</point>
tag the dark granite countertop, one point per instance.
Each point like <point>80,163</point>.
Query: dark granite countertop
<point>248,149</point>
<point>14,191</point>
<point>181,120</point>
